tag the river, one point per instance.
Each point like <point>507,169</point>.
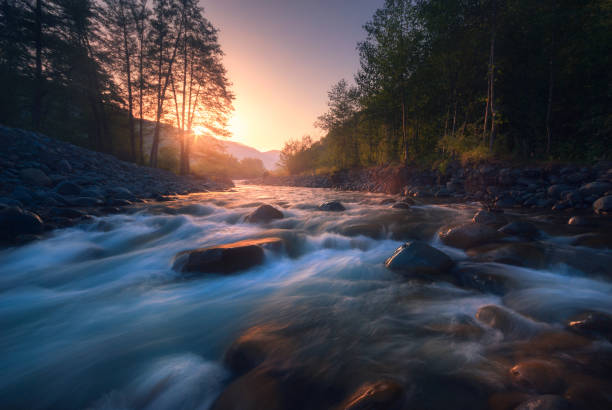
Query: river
<point>94,316</point>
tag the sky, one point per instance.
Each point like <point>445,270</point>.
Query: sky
<point>282,57</point>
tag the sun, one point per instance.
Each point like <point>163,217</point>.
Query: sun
<point>198,131</point>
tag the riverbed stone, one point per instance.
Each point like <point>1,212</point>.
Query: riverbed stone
<point>579,221</point>
<point>401,205</point>
<point>603,205</point>
<point>527,254</point>
<point>264,213</point>
<point>539,376</point>
<point>485,217</point>
<point>511,324</point>
<point>522,229</point>
<point>468,235</point>
<point>34,177</point>
<point>384,394</point>
<point>592,324</point>
<point>418,257</point>
<point>15,221</point>
<point>255,346</point>
<point>227,258</point>
<point>332,206</point>
<point>68,188</point>
<point>596,188</point>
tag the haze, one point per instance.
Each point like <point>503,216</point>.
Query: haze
<point>282,57</point>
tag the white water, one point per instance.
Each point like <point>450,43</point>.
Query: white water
<point>94,316</point>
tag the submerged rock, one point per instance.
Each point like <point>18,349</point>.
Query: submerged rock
<point>228,258</point>
<point>254,346</point>
<point>593,324</point>
<point>332,206</point>
<point>370,230</point>
<point>68,188</point>
<point>401,205</point>
<point>264,213</point>
<point>418,257</point>
<point>509,323</point>
<point>15,221</point>
<point>495,219</point>
<point>379,395</point>
<point>520,228</point>
<point>529,255</point>
<point>468,235</point>
<point>539,376</point>
<point>579,221</point>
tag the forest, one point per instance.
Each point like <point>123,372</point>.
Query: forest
<point>447,80</point>
<point>117,76</point>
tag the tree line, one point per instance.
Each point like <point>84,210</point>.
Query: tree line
<point>443,80</point>
<point>109,74</point>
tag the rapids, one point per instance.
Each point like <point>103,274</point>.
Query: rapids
<point>94,316</point>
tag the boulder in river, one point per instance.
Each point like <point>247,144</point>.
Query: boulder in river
<point>383,394</point>
<point>603,205</point>
<point>418,257</point>
<point>264,213</point>
<point>15,221</point>
<point>332,206</point>
<point>468,235</point>
<point>528,254</point>
<point>225,259</point>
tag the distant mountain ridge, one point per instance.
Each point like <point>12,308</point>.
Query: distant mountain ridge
<point>240,151</point>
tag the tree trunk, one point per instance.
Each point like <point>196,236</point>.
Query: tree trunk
<point>38,91</point>
<point>550,100</point>
<point>128,71</point>
<point>492,80</point>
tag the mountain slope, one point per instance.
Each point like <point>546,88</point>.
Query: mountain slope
<point>240,151</point>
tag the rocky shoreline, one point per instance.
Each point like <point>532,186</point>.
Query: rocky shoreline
<point>570,188</point>
<point>46,184</point>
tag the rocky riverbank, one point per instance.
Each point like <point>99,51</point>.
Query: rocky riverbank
<point>500,185</point>
<point>46,184</point>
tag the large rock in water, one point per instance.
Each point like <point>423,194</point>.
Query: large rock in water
<point>593,324</point>
<point>332,206</point>
<point>418,257</point>
<point>603,205</point>
<point>225,259</point>
<point>539,376</point>
<point>468,235</point>
<point>255,346</point>
<point>595,188</point>
<point>16,221</point>
<point>264,213</point>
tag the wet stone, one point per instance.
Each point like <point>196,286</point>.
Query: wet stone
<point>265,213</point>
<point>468,235</point>
<point>538,376</point>
<point>332,206</point>
<point>418,257</point>
<point>225,259</point>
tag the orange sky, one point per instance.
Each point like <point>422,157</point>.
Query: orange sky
<point>282,56</point>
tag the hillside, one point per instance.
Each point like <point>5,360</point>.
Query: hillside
<point>240,151</point>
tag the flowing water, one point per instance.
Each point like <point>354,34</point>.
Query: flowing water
<point>94,316</point>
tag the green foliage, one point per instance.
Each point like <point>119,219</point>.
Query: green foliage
<point>424,81</point>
